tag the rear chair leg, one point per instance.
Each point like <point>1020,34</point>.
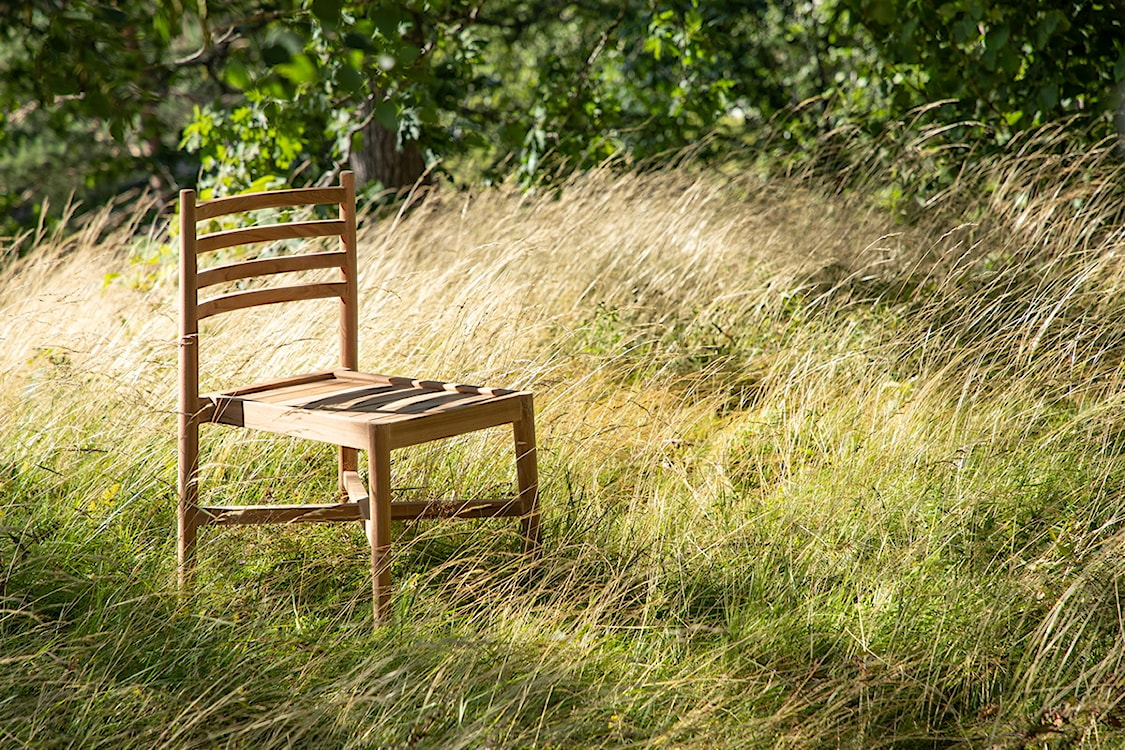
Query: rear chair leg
<point>348,461</point>
<point>187,510</point>
<point>186,549</point>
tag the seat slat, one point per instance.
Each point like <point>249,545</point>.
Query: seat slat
<point>301,393</point>
<point>267,266</point>
<point>431,385</point>
<point>371,399</point>
<point>294,293</point>
<point>269,385</point>
<point>268,233</point>
<point>273,199</point>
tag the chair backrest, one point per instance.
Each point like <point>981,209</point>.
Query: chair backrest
<point>192,244</point>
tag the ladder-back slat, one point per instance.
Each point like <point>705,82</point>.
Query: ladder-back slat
<point>272,199</point>
<point>206,243</point>
<point>273,295</point>
<point>268,266</point>
<point>197,305</point>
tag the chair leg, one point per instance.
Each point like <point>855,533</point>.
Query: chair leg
<point>379,525</point>
<point>187,511</point>
<point>349,461</point>
<point>527,477</point>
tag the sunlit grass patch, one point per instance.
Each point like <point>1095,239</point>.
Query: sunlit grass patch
<point>811,478</point>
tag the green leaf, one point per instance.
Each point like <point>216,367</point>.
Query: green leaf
<point>387,19</point>
<point>98,103</point>
<point>327,11</point>
<point>162,25</point>
<point>883,11</point>
<point>405,55</point>
<point>351,80</point>
<point>237,75</point>
<point>997,37</point>
<point>112,16</point>
<point>1048,97</point>
<point>355,40</point>
<point>964,30</point>
<point>300,70</point>
<point>275,54</point>
<point>387,115</point>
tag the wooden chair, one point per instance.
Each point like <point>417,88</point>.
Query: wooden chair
<point>353,410</point>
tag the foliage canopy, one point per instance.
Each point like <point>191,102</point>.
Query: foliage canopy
<point>101,94</point>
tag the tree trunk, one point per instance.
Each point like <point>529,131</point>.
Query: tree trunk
<point>380,159</point>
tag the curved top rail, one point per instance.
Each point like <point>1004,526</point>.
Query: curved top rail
<point>271,199</point>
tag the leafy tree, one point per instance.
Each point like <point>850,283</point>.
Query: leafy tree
<point>1009,64</point>
<point>306,86</point>
<point>100,94</point>
<point>95,93</point>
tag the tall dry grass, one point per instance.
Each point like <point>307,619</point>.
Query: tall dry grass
<point>812,478</point>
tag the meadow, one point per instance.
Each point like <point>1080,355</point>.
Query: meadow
<point>813,476</point>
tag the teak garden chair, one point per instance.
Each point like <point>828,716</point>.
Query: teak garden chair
<point>353,410</point>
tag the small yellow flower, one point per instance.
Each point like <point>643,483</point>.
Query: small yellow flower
<point>105,501</point>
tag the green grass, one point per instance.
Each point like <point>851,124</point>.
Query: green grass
<point>811,478</point>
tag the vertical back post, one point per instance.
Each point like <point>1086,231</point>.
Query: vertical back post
<point>188,500</point>
<point>349,305</point>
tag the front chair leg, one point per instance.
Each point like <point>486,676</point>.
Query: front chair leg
<point>379,524</point>
<point>527,477</point>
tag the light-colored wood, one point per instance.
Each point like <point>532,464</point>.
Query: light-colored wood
<point>379,525</point>
<point>435,426</point>
<point>269,266</point>
<point>293,422</point>
<point>353,410</point>
<point>356,492</point>
<point>207,243</point>
<point>189,401</point>
<point>314,413</point>
<point>270,199</point>
<point>294,380</point>
<point>308,395</point>
<point>527,474</point>
<point>242,300</point>
<point>230,515</point>
<point>348,458</point>
<point>432,385</point>
<point>349,300</point>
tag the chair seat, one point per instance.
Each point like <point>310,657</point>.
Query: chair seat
<point>343,407</point>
